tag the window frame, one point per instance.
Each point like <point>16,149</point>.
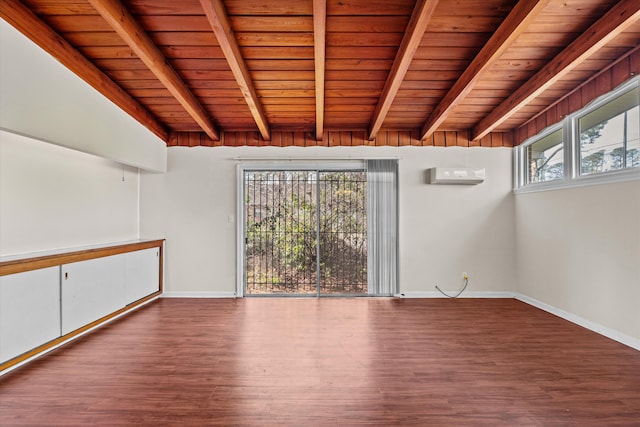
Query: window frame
<point>525,158</point>
<point>571,149</point>
<point>575,122</point>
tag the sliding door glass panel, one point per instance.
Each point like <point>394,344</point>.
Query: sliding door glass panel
<point>305,232</point>
<point>280,232</point>
<point>342,233</point>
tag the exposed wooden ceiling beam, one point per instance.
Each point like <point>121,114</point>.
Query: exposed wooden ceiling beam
<point>319,36</point>
<point>622,15</point>
<point>25,21</point>
<point>412,37</point>
<point>513,25</point>
<point>217,16</point>
<point>123,23</point>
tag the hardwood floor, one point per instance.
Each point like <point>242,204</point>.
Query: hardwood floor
<point>326,362</point>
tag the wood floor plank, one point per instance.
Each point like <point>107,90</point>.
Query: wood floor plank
<point>353,361</point>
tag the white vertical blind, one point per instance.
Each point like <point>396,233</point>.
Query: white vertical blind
<point>382,206</point>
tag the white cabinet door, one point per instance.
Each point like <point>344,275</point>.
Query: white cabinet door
<point>142,273</point>
<point>29,310</point>
<point>92,289</point>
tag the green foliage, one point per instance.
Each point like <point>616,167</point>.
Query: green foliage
<point>619,155</point>
<point>541,170</point>
<point>285,225</point>
<point>633,158</point>
<point>593,163</point>
<point>590,135</point>
<point>553,172</point>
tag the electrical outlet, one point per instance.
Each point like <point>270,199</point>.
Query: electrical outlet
<point>465,276</point>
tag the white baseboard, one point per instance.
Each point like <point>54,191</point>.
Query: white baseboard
<point>593,326</point>
<point>436,294</point>
<point>179,294</point>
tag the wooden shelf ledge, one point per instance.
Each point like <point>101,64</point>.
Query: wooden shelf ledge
<point>43,260</point>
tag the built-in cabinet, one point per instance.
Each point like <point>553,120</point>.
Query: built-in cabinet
<point>141,273</point>
<point>29,310</point>
<point>72,291</point>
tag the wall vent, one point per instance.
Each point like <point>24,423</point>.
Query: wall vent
<point>460,176</point>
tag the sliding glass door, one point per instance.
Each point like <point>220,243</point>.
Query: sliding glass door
<point>310,231</point>
<point>305,232</point>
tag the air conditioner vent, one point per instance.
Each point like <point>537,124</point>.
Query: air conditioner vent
<point>460,176</point>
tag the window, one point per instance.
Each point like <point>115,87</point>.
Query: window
<point>545,158</point>
<point>609,137</point>
<point>599,143</point>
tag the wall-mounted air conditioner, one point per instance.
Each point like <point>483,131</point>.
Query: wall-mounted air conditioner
<point>455,176</point>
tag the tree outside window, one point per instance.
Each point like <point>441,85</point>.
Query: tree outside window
<point>609,136</point>
<point>546,158</point>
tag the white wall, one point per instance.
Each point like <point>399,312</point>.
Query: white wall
<point>444,230</point>
<point>450,229</point>
<point>42,99</point>
<point>578,250</point>
<point>53,197</point>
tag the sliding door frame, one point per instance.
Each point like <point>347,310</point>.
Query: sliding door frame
<point>267,165</point>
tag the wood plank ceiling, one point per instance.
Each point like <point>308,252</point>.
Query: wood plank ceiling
<point>424,68</point>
